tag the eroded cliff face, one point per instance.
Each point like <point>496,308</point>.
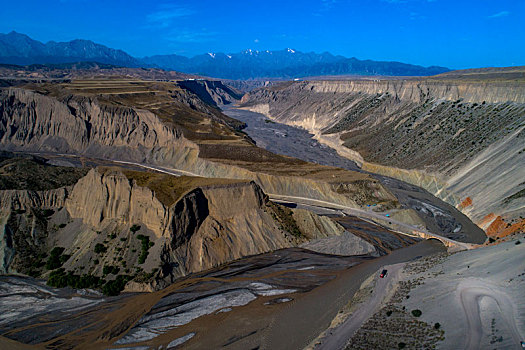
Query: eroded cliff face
<point>456,139</point>
<point>213,92</point>
<point>105,218</point>
<point>35,122</point>
<point>82,125</point>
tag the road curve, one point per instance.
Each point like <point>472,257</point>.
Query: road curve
<point>470,293</point>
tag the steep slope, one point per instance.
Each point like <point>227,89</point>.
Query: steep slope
<point>461,140</point>
<point>212,92</point>
<point>146,227</point>
<point>160,123</point>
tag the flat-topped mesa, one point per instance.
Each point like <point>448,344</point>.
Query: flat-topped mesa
<point>419,90</point>
<point>458,139</point>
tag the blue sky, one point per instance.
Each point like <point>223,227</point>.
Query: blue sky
<point>456,34</point>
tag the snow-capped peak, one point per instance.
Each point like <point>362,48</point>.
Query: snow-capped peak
<point>290,50</point>
<point>212,55</point>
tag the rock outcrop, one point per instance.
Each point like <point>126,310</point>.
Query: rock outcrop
<point>102,220</point>
<point>457,139</point>
<point>213,92</point>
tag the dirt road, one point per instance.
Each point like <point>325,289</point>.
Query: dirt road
<point>338,337</point>
<point>471,292</point>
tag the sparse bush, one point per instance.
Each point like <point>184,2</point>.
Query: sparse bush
<point>62,225</point>
<point>146,244</point>
<point>48,212</point>
<point>106,270</point>
<point>60,279</point>
<point>55,259</point>
<point>401,345</point>
<point>437,325</point>
<point>116,286</point>
<point>389,313</point>
<point>417,313</point>
<point>518,242</point>
<point>100,248</point>
<point>134,228</point>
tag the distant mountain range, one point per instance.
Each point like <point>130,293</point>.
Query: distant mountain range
<point>20,49</point>
<point>16,48</point>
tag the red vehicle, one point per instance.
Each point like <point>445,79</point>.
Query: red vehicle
<point>383,273</point>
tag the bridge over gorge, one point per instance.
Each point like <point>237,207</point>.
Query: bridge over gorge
<point>402,227</point>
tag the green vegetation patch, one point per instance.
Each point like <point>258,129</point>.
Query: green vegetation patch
<point>115,286</point>
<point>100,248</point>
<point>56,258</point>
<point>60,279</point>
<point>284,216</point>
<point>33,173</point>
<point>106,270</point>
<point>146,244</point>
<point>417,313</point>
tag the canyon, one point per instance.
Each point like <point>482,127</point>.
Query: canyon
<point>452,136</point>
<point>155,206</point>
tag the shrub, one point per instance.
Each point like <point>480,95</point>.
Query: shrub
<point>60,279</point>
<point>106,270</point>
<point>48,212</point>
<point>100,248</point>
<point>116,286</point>
<point>55,259</point>
<point>437,325</point>
<point>518,242</point>
<point>134,228</point>
<point>388,313</point>
<point>62,225</point>
<point>401,345</point>
<point>417,313</point>
<point>57,279</point>
<point>146,244</point>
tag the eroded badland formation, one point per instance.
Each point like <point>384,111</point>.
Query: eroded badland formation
<point>142,182</point>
